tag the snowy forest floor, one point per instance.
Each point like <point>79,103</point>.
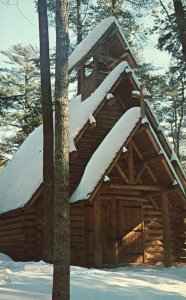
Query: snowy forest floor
<point>33,281</point>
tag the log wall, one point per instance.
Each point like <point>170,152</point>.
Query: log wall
<point>77,234</point>
<point>153,234</point>
<point>21,234</point>
<point>178,221</point>
<point>91,82</point>
<point>12,239</point>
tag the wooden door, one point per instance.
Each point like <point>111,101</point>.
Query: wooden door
<point>122,232</point>
<point>130,232</point>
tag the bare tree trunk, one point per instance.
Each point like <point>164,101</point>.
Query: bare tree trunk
<point>48,140</point>
<point>181,24</point>
<point>79,39</point>
<point>61,279</point>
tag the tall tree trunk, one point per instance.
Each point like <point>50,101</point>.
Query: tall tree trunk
<point>181,24</point>
<point>48,140</point>
<point>61,278</point>
<point>79,39</point>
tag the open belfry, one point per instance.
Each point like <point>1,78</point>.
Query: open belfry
<point>127,187</point>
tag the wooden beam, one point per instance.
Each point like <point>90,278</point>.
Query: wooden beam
<point>114,161</point>
<point>140,173</point>
<point>122,173</point>
<point>151,173</point>
<point>153,202</point>
<point>167,168</point>
<point>112,232</point>
<point>142,103</point>
<point>82,78</point>
<point>138,187</point>
<point>166,230</point>
<point>131,163</point>
<point>34,198</point>
<point>152,159</point>
<point>137,151</point>
<point>112,191</point>
<point>152,139</point>
<point>115,59</point>
<point>120,101</point>
<point>123,197</point>
<point>98,231</point>
<point>73,155</point>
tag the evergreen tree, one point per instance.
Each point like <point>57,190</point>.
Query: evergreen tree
<point>170,24</point>
<point>169,102</point>
<point>48,139</point>
<point>61,282</point>
<point>20,103</point>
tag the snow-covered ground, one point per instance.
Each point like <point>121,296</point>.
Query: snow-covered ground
<point>33,281</point>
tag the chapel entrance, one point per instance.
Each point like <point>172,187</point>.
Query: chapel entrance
<point>122,231</point>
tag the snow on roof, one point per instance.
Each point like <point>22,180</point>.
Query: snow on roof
<point>91,39</point>
<point>23,175</point>
<point>80,111</point>
<point>102,158</point>
<point>105,153</point>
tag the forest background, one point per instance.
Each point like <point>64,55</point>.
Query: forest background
<point>145,24</point>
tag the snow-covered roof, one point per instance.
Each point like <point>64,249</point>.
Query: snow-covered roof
<point>23,175</point>
<point>105,153</point>
<point>80,111</point>
<point>91,40</point>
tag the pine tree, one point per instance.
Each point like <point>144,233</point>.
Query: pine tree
<point>20,99</point>
<point>61,283</point>
<point>169,103</point>
<point>48,140</point>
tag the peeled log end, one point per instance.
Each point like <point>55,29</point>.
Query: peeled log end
<point>73,155</point>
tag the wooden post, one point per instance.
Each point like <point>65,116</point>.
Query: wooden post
<point>113,235</point>
<point>98,231</point>
<point>131,163</point>
<point>82,74</point>
<point>166,230</point>
<point>142,103</point>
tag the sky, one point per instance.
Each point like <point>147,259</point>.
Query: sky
<point>19,24</point>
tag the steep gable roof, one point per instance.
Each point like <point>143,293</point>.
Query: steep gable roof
<point>84,50</point>
<point>107,151</point>
<point>23,175</point>
<point>105,154</point>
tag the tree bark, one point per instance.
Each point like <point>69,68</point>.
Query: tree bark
<point>79,39</point>
<point>181,24</point>
<point>48,140</point>
<point>61,278</point>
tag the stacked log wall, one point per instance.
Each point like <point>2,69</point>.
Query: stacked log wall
<point>33,224</point>
<point>178,217</point>
<point>12,240</point>
<point>153,234</point>
<point>91,140</point>
<point>77,234</point>
<point>21,233</point>
<point>89,86</point>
